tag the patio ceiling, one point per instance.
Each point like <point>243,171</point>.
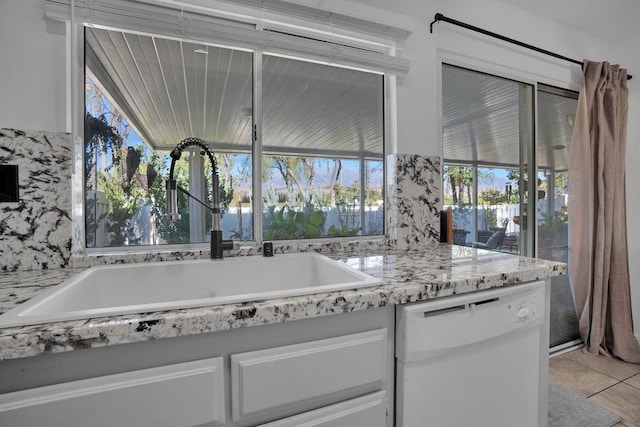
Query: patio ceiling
<point>172,89</point>
<point>484,117</point>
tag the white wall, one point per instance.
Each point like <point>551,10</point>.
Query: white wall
<point>33,70</point>
<point>419,97</point>
<point>419,92</point>
<point>630,47</point>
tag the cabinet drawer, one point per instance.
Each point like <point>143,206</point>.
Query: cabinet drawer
<point>369,410</point>
<point>272,378</point>
<point>184,394</point>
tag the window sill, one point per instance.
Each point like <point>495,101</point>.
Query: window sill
<point>125,255</point>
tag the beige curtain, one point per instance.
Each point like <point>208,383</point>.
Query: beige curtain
<point>598,261</point>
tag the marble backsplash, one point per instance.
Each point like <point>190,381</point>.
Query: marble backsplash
<point>36,232</point>
<point>413,200</point>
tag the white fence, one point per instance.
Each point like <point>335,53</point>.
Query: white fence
<point>239,220</point>
<point>373,219</point>
<point>488,216</point>
<point>234,222</point>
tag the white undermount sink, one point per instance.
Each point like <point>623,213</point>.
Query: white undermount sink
<point>147,287</point>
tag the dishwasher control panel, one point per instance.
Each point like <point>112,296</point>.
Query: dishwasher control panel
<point>524,309</point>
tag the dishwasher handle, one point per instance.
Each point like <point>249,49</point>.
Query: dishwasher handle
<point>440,311</point>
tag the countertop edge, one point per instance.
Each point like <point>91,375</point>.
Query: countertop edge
<point>33,340</point>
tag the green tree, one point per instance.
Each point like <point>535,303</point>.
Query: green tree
<point>346,202</point>
<point>513,191</point>
<point>125,200</point>
<point>100,139</point>
<point>460,178</point>
<point>493,196</point>
<point>298,174</point>
<point>126,196</point>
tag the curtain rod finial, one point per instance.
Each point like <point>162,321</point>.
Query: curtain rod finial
<point>437,17</point>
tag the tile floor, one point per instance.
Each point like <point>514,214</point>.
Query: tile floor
<point>609,382</point>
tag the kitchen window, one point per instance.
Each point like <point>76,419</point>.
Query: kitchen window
<point>299,144</point>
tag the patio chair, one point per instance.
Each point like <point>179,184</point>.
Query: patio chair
<point>494,242</point>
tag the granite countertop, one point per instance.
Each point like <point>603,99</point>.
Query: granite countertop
<point>407,276</point>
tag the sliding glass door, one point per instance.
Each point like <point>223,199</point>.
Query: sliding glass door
<point>506,185</point>
<point>556,112</point>
<point>488,135</point>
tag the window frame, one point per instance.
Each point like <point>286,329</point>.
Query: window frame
<point>538,84</point>
<point>76,75</point>
<point>526,147</point>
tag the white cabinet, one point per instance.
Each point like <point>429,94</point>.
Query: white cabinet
<point>365,411</point>
<point>184,394</point>
<point>328,368</point>
<point>347,365</point>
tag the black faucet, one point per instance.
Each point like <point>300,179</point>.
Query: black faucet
<point>217,244</point>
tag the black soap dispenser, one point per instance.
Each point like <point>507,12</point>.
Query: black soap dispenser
<point>267,249</point>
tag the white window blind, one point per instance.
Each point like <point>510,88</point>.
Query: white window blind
<point>199,26</point>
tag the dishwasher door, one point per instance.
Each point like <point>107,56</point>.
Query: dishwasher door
<point>471,360</point>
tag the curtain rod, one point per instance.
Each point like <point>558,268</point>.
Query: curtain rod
<point>440,17</point>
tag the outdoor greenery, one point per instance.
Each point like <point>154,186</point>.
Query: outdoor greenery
<point>493,202</point>
<point>491,196</point>
<point>460,182</point>
<point>301,210</point>
<point>288,223</point>
<point>129,179</point>
<point>490,218</point>
<point>460,179</point>
<point>554,227</point>
<point>346,200</point>
<point>100,138</point>
<point>125,196</point>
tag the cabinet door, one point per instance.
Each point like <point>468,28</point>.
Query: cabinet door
<point>369,411</point>
<point>273,378</point>
<point>184,394</point>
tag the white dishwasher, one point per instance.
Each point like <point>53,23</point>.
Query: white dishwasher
<point>472,360</point>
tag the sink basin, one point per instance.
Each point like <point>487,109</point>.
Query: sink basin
<point>146,287</point>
